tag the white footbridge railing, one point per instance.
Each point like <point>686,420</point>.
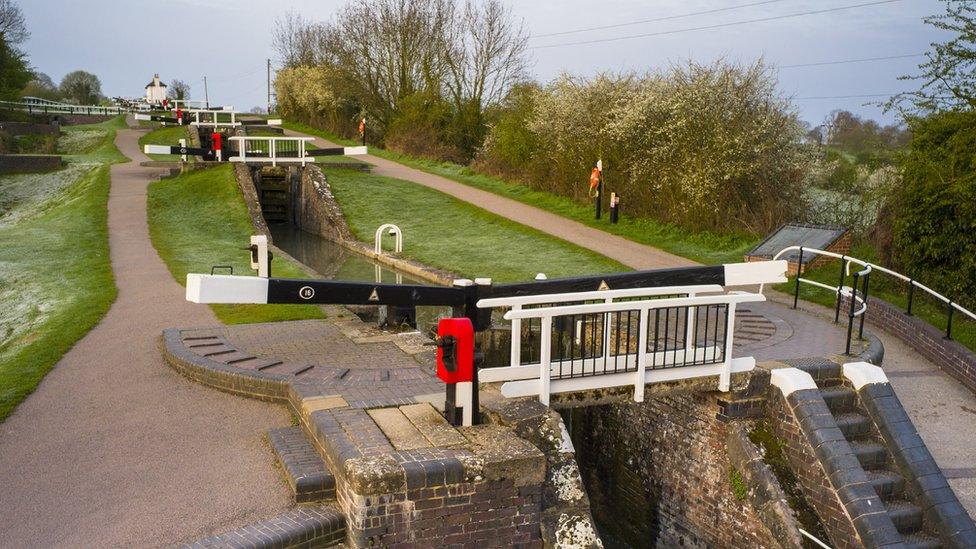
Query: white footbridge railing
<point>616,338</point>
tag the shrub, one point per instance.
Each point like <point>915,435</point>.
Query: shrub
<point>934,210</point>
<point>708,147</point>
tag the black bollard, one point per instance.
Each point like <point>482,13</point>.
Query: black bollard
<point>614,208</point>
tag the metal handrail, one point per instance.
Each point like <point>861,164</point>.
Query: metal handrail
<point>813,538</point>
<point>846,261</point>
<point>63,108</point>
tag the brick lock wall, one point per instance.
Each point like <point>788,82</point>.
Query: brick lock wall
<point>28,163</point>
<point>810,473</point>
<point>482,514</point>
<point>658,473</point>
<point>927,340</point>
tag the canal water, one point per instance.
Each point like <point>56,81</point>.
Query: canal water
<point>334,262</point>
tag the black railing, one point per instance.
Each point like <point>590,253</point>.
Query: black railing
<point>608,343</point>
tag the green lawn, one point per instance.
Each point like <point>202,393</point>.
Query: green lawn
<point>55,272</point>
<point>166,135</point>
<point>91,143</point>
<point>887,288</point>
<point>450,234</point>
<point>199,220</point>
<point>703,247</point>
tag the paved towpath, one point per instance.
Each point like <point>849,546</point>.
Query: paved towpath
<point>117,449</point>
<point>941,408</point>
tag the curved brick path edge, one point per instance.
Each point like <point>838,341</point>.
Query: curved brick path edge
<point>115,448</point>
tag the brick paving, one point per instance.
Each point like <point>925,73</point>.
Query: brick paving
<point>303,526</point>
<point>303,467</point>
<point>324,355</point>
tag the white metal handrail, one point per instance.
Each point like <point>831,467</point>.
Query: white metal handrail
<point>813,538</point>
<point>62,108</point>
<point>873,267</point>
<point>538,378</point>
<point>378,248</point>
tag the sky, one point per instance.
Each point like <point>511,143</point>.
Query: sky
<point>125,41</point>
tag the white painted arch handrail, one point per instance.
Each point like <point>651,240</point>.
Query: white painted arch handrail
<point>378,238</point>
<point>872,267</point>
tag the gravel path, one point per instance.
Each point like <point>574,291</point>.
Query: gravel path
<point>117,449</point>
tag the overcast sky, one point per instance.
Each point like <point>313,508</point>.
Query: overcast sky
<point>125,42</point>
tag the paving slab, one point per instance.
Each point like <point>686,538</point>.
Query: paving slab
<point>400,430</point>
<point>432,424</point>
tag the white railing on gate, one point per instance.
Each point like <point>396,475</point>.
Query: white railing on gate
<point>211,118</point>
<point>270,151</point>
<point>536,379</point>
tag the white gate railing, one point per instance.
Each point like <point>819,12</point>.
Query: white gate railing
<point>621,337</point>
<point>272,149</point>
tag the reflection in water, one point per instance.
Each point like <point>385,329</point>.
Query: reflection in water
<point>334,262</point>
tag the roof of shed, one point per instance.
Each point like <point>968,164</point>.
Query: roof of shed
<point>798,234</point>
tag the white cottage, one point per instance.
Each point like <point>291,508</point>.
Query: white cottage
<point>155,91</point>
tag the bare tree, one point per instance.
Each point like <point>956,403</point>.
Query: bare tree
<point>13,25</point>
<point>487,54</point>
<point>178,89</point>
<point>295,39</point>
<point>391,49</point>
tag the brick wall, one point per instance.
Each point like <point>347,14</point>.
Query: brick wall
<point>829,473</point>
<point>481,514</point>
<point>810,473</point>
<point>658,473</point>
<point>957,361</point>
<point>24,128</point>
<point>24,163</point>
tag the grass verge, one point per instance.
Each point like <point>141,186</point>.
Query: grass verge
<point>166,135</point>
<point>704,247</point>
<point>56,278</point>
<point>54,259</point>
<point>199,220</point>
<point>886,288</point>
<point>450,234</point>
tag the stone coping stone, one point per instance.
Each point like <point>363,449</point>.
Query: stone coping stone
<point>432,425</point>
<point>356,444</point>
<point>401,432</point>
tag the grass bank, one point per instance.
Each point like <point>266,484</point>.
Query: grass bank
<point>704,247</point>
<point>55,272</point>
<point>166,135</point>
<point>450,234</point>
<point>886,288</point>
<point>199,220</point>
